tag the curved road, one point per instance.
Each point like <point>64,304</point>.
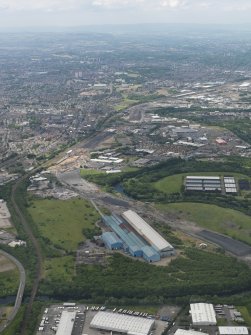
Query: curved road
<point>20,291</point>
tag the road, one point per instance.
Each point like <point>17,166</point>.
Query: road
<point>20,291</point>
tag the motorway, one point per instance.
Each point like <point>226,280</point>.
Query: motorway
<point>20,291</point>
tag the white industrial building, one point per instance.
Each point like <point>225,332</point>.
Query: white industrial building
<point>121,323</point>
<point>148,233</point>
<point>188,332</point>
<point>66,323</point>
<point>233,330</point>
<point>203,314</point>
<point>230,185</point>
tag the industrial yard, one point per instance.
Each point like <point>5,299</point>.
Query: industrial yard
<point>203,318</point>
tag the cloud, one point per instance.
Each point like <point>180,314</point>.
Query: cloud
<point>143,5</point>
<point>20,5</point>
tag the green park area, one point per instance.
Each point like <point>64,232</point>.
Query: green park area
<point>62,222</point>
<point>223,220</point>
<point>61,226</point>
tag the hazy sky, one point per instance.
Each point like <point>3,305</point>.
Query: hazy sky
<point>15,13</point>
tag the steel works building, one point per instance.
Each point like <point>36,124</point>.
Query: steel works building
<point>120,323</point>
<point>135,236</point>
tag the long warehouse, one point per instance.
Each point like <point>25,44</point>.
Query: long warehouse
<point>148,233</point>
<point>66,323</point>
<point>126,324</point>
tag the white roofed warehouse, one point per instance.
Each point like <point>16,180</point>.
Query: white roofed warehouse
<point>163,247</point>
<point>121,323</point>
<point>203,314</point>
<point>233,330</point>
<point>188,332</point>
<point>66,323</point>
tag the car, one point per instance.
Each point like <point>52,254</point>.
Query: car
<point>114,310</point>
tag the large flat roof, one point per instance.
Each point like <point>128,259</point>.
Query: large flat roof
<point>233,331</point>
<point>188,332</point>
<point>203,313</point>
<point>66,323</point>
<point>146,231</point>
<point>204,177</point>
<point>131,325</point>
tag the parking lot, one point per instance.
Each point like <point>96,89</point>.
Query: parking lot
<point>51,318</point>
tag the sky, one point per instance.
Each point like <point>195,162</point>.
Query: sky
<point>69,13</point>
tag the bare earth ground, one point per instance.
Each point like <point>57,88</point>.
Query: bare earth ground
<point>5,264</point>
<point>4,216</point>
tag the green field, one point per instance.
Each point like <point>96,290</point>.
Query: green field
<point>9,282</point>
<point>173,184</point>
<point>62,222</point>
<point>59,268</point>
<point>245,314</point>
<point>88,172</point>
<point>125,103</point>
<point>222,220</point>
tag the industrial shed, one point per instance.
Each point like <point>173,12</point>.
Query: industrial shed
<point>188,332</point>
<point>150,255</point>
<point>112,241</point>
<point>203,183</point>
<point>66,323</point>
<point>233,331</point>
<point>148,233</point>
<point>121,323</point>
<point>203,314</point>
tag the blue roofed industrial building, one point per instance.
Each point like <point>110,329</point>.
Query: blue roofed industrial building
<point>139,241</point>
<point>112,241</point>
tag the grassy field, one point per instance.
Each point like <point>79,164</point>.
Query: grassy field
<point>173,184</point>
<point>88,172</point>
<point>222,220</point>
<point>125,103</point>
<point>62,222</point>
<point>245,314</point>
<point>9,281</point>
<point>59,268</point>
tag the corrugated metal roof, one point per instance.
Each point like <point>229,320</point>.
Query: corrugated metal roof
<point>130,238</point>
<point>66,323</point>
<point>233,330</point>
<point>188,332</point>
<point>111,237</point>
<point>146,231</point>
<point>122,323</point>
<point>203,177</point>
<point>203,313</point>
<point>150,252</point>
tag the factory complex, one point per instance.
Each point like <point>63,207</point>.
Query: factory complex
<point>120,323</point>
<point>225,185</point>
<point>77,319</point>
<point>135,236</point>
